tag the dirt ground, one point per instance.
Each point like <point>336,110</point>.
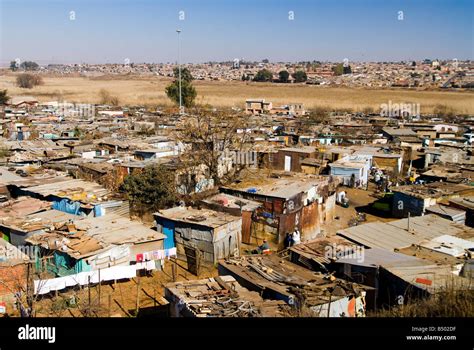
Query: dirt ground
<point>357,198</point>
<point>120,299</point>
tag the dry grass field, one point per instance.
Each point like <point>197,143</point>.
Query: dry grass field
<point>150,91</point>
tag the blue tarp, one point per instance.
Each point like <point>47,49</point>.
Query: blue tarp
<point>67,206</point>
<point>98,211</point>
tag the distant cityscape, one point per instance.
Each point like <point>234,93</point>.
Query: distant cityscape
<point>426,73</point>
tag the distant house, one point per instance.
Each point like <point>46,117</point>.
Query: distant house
<point>289,159</point>
<point>23,102</point>
<point>114,145</point>
<point>20,132</point>
<point>255,107</point>
<point>393,133</point>
<point>446,128</point>
<point>153,153</point>
<point>353,170</point>
<point>294,109</point>
<point>426,132</point>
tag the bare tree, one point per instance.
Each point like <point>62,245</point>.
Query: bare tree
<point>208,135</point>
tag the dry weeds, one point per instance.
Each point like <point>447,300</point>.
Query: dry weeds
<point>150,91</point>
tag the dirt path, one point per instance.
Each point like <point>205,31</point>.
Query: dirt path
<point>357,198</point>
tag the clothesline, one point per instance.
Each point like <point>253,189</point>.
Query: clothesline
<point>84,278</point>
<point>159,254</point>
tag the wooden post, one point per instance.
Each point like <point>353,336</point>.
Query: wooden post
<point>28,298</point>
<point>89,292</point>
<point>329,305</point>
<point>198,262</point>
<point>173,268</point>
<point>99,289</point>
<point>110,305</point>
<point>137,304</point>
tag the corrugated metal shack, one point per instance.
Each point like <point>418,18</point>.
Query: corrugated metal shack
<point>367,271</point>
<point>278,279</point>
<point>404,232</point>
<point>67,194</point>
<point>214,235</point>
<point>219,297</point>
<point>18,228</point>
<point>465,203</point>
<point>299,201</point>
<point>235,206</point>
<point>75,244</point>
<point>415,199</point>
<point>320,253</point>
<point>449,213</point>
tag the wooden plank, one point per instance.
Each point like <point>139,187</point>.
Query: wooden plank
<point>223,284</point>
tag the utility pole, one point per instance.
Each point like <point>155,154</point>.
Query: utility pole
<point>179,74</point>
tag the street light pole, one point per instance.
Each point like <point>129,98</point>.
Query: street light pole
<point>179,70</point>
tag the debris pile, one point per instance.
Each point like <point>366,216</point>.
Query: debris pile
<point>220,297</point>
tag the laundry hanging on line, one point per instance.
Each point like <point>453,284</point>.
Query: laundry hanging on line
<point>159,254</point>
<point>84,278</point>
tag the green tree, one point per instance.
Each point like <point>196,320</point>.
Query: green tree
<point>152,189</point>
<point>338,69</point>
<point>188,91</point>
<point>4,97</point>
<point>186,75</point>
<point>13,66</point>
<point>263,75</point>
<point>29,65</point>
<point>283,76</point>
<point>300,76</point>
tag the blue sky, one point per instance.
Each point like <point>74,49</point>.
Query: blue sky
<point>217,30</point>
